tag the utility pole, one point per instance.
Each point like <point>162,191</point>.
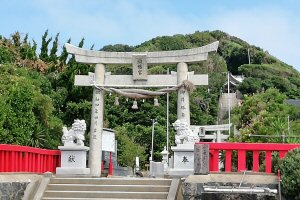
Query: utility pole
<point>249,56</point>
<point>152,138</point>
<point>229,101</point>
<point>289,130</point>
<point>168,123</point>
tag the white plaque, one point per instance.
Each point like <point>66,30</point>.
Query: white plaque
<point>139,67</point>
<point>108,141</point>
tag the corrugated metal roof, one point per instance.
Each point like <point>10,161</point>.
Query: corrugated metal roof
<point>295,102</point>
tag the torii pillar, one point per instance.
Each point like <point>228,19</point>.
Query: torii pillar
<point>183,101</point>
<point>97,119</point>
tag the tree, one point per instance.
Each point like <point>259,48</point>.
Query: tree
<point>53,56</point>
<point>26,114</point>
<point>44,48</point>
<point>16,37</point>
<point>64,54</point>
<point>128,149</point>
<point>264,113</point>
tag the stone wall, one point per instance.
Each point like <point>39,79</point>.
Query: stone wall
<point>237,196</point>
<point>13,185</point>
<point>12,190</point>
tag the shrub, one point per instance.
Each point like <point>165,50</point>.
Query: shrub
<point>290,169</point>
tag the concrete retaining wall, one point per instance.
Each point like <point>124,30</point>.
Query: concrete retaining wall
<point>13,186</point>
<point>193,186</point>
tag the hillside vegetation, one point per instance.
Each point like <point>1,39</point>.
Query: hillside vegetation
<point>38,96</point>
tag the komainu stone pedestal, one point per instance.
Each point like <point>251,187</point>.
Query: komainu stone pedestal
<point>73,160</point>
<point>183,160</point>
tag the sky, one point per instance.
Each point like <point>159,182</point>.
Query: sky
<point>273,25</point>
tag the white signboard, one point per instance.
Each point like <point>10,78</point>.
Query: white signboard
<point>108,141</point>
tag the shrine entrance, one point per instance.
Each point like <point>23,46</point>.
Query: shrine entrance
<point>180,81</point>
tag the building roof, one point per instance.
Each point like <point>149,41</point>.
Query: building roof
<point>295,102</point>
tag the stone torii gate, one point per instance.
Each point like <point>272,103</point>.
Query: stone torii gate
<point>139,79</point>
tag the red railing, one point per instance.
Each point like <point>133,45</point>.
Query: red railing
<point>242,148</point>
<point>14,158</point>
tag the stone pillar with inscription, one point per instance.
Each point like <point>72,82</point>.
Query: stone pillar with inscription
<point>183,103</point>
<point>97,119</point>
<point>201,159</point>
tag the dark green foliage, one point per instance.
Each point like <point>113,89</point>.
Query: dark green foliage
<point>6,55</point>
<point>64,54</point>
<point>200,38</point>
<point>128,148</point>
<point>16,37</point>
<point>235,56</point>
<point>26,113</point>
<point>117,48</point>
<point>81,43</point>
<point>263,76</point>
<point>291,174</point>
<point>165,43</point>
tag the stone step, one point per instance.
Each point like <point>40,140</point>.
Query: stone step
<point>90,187</point>
<point>111,181</point>
<point>105,194</point>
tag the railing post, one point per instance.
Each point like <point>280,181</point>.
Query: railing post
<point>13,163</point>
<point>21,164</point>
<point>256,161</point>
<point>269,161</point>
<point>25,160</point>
<point>215,160</point>
<point>228,165</point>
<point>30,165</point>
<point>50,166</point>
<point>7,155</point>
<point>241,160</point>
<point>1,161</point>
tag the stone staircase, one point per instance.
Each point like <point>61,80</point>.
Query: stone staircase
<point>61,188</point>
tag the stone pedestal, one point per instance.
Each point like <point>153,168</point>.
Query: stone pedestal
<point>183,160</point>
<point>73,160</point>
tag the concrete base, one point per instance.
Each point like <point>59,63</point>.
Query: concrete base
<point>193,186</point>
<point>179,172</point>
<point>72,171</point>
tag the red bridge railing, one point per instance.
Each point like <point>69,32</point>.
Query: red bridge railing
<point>257,149</point>
<point>14,158</point>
